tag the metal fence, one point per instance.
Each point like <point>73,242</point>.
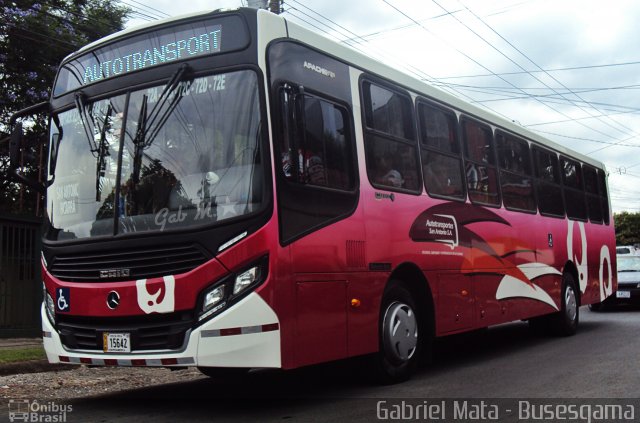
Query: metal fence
<point>20,281</point>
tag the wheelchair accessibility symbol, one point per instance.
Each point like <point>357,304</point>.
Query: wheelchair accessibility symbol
<point>64,299</point>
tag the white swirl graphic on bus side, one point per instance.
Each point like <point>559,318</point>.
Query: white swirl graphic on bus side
<point>580,264</point>
<point>512,287</point>
<point>149,302</point>
<point>605,289</point>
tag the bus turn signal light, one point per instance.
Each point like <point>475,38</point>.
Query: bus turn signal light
<point>355,303</point>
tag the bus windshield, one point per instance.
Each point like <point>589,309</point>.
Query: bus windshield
<point>168,156</point>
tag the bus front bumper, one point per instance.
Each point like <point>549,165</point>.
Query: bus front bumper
<point>246,335</point>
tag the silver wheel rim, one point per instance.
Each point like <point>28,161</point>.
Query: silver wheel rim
<point>570,303</point>
<point>400,332</point>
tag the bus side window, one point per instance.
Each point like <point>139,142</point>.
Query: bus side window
<point>316,140</point>
<point>573,188</point>
<point>594,206</point>
<point>548,188</point>
<point>604,197</point>
<point>325,156</point>
<point>440,150</point>
<point>390,145</point>
<point>515,173</point>
<point>480,165</point>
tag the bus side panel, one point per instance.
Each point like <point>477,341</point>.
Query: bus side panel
<point>320,339</point>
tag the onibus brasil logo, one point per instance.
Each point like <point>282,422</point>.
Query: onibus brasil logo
<point>22,410</point>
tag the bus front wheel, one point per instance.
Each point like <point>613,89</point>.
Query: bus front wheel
<point>400,335</point>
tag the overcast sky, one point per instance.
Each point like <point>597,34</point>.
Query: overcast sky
<point>567,69</point>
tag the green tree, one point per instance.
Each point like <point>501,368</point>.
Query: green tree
<point>34,38</point>
<point>627,228</point>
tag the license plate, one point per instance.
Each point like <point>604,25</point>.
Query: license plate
<point>623,294</point>
<point>116,342</point>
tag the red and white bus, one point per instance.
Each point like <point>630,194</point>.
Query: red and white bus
<point>230,191</point>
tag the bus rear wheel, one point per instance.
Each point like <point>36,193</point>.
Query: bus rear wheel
<point>565,322</point>
<point>400,334</point>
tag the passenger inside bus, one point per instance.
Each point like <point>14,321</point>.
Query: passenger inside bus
<point>386,174</point>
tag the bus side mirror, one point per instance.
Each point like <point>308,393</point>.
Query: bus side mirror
<point>14,146</point>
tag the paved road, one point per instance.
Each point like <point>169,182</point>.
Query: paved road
<point>507,361</point>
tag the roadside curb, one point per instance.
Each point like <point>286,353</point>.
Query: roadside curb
<point>32,366</point>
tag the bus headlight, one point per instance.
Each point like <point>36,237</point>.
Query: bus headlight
<point>231,289</point>
<point>246,279</point>
<point>213,298</point>
<point>49,306</point>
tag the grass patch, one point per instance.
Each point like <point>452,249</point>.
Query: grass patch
<point>21,354</point>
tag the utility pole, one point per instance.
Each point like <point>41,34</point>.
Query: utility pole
<point>275,6</point>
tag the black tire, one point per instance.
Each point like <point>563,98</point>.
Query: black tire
<point>223,372</point>
<point>400,333</point>
<point>565,322</point>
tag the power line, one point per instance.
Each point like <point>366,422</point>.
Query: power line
<point>153,9</point>
<point>618,143</point>
<point>522,68</point>
<point>607,65</point>
<point>411,69</point>
<point>484,67</point>
<point>626,130</point>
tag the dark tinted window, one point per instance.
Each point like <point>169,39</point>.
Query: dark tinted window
<point>571,172</point>
<point>441,161</point>
<point>604,198</point>
<point>515,173</point>
<point>480,169</point>
<point>326,159</point>
<point>392,164</point>
<point>594,206</point>
<point>442,174</point>
<point>390,144</point>
<point>323,147</point>
<point>316,177</point>
<point>546,164</point>
<point>388,111</point>
<point>513,154</point>
<point>548,188</point>
<point>438,129</point>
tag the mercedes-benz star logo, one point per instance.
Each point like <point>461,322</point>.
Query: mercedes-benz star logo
<point>113,300</point>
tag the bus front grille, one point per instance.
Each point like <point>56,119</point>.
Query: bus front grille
<point>113,266</point>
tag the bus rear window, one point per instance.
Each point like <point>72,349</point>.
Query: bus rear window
<point>143,51</point>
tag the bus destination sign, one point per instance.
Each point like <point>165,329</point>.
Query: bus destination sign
<point>106,67</point>
<point>146,50</point>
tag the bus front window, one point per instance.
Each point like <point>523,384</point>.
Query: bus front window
<point>189,158</point>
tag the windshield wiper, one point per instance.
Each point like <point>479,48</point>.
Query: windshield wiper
<point>149,126</point>
<point>167,93</point>
<point>87,122</point>
<point>138,141</point>
<point>103,150</point>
